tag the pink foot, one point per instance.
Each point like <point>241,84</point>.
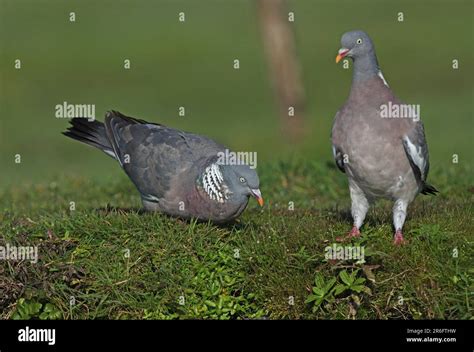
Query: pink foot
<point>353,233</point>
<point>398,239</point>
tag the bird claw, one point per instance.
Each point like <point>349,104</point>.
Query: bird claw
<point>353,233</point>
<point>398,239</point>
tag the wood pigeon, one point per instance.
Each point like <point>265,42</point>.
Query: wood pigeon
<point>378,141</point>
<point>177,173</point>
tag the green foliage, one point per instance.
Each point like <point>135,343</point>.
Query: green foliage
<point>26,310</point>
<point>160,314</point>
<point>350,282</point>
<point>280,254</point>
<point>216,290</point>
<point>322,291</point>
<point>327,291</point>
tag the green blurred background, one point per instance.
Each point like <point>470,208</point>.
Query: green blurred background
<point>190,64</point>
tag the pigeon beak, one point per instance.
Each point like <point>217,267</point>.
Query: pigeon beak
<point>258,195</point>
<point>341,54</point>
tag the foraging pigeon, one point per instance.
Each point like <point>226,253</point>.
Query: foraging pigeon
<point>384,155</point>
<point>178,173</point>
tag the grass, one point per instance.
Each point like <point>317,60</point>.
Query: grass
<point>106,259</point>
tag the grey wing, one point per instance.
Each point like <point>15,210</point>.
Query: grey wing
<point>336,137</point>
<point>416,150</point>
<point>151,154</point>
<point>338,157</point>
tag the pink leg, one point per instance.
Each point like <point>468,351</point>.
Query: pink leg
<point>398,239</point>
<point>353,233</point>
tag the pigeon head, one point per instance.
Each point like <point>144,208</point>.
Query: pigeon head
<point>242,181</point>
<point>355,44</point>
<point>359,47</point>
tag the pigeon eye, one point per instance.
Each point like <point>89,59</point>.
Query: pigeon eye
<point>242,179</point>
<point>359,41</point>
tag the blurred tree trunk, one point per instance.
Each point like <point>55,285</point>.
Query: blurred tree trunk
<point>279,45</point>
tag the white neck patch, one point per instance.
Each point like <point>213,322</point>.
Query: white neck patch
<point>213,183</point>
<point>382,78</point>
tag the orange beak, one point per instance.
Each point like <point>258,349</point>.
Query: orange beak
<point>341,54</point>
<point>258,195</point>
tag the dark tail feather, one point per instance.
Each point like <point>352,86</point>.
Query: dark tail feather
<point>429,189</point>
<point>91,133</point>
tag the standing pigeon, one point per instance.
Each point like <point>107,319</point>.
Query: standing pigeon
<point>178,173</point>
<point>382,157</point>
